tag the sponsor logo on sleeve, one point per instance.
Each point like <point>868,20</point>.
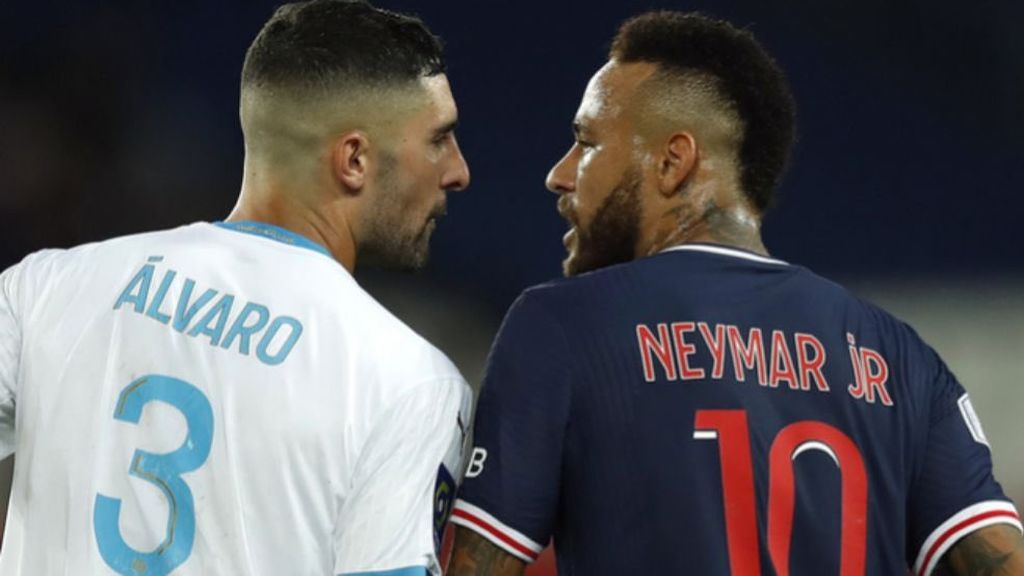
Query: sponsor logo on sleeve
<point>971,419</point>
<point>444,498</point>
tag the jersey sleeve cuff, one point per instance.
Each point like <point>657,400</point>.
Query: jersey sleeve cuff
<point>974,517</point>
<point>408,571</point>
<point>508,539</point>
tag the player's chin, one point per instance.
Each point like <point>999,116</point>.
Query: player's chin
<point>428,229</point>
<point>580,261</point>
<point>418,255</point>
<point>409,254</point>
<point>572,265</point>
<point>414,250</point>
<point>410,262</point>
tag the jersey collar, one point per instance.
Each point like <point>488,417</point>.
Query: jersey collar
<point>275,233</point>
<point>724,251</point>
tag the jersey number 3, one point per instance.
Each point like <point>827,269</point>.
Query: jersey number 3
<point>729,427</point>
<point>163,471</point>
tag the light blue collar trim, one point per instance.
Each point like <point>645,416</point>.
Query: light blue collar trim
<point>410,571</point>
<point>274,233</point>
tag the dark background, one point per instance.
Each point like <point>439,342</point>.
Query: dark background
<point>119,117</point>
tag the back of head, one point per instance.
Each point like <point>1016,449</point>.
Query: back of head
<point>349,123</point>
<point>329,44</point>
<point>322,66</point>
<point>715,62</point>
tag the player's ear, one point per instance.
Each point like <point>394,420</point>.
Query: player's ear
<point>678,162</point>
<point>350,160</point>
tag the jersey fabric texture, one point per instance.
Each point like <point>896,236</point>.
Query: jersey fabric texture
<point>711,411</point>
<point>219,399</point>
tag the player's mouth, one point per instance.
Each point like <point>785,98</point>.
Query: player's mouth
<point>439,211</point>
<point>565,209</point>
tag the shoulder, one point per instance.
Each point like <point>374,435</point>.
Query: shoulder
<point>40,272</point>
<point>891,331</point>
<point>539,322</point>
<point>558,294</point>
<point>386,351</point>
<point>91,262</point>
<point>418,354</point>
<point>856,311</point>
<point>876,327</point>
<point>909,362</point>
<point>35,264</point>
<point>55,260</point>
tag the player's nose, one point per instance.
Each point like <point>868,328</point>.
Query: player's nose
<point>456,177</point>
<point>562,177</point>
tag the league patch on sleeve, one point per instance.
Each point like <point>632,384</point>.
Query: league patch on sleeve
<point>444,498</point>
<point>972,420</point>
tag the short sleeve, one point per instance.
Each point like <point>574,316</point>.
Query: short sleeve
<point>405,483</point>
<point>954,492</point>
<point>513,480</point>
<point>10,354</point>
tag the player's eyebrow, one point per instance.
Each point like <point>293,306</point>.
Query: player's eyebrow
<point>446,128</point>
<point>579,129</point>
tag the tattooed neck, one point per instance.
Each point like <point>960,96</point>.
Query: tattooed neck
<point>710,223</point>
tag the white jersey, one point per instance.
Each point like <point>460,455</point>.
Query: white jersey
<point>219,399</point>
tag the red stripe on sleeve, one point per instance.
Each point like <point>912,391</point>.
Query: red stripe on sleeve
<point>512,543</point>
<point>959,527</point>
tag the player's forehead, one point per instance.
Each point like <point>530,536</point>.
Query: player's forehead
<point>610,93</point>
<point>438,103</point>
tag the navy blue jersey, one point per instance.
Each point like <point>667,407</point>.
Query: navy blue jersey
<point>709,411</point>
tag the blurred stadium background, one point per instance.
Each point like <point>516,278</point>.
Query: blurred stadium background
<point>907,183</point>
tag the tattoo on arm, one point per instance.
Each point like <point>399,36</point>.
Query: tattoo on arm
<point>474,555</point>
<point>993,551</point>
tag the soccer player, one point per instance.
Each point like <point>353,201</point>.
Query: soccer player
<point>685,403</point>
<point>224,399</point>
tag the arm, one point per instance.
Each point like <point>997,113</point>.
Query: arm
<point>403,485</point>
<point>475,555</point>
<point>10,353</point>
<point>960,521</point>
<point>993,551</point>
<point>508,505</point>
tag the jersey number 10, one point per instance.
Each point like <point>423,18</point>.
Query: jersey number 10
<point>730,428</point>
<point>163,471</point>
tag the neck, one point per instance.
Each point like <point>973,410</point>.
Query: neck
<point>735,226</point>
<point>322,222</point>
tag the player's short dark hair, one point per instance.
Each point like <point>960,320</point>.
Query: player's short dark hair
<point>747,78</point>
<point>321,43</point>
